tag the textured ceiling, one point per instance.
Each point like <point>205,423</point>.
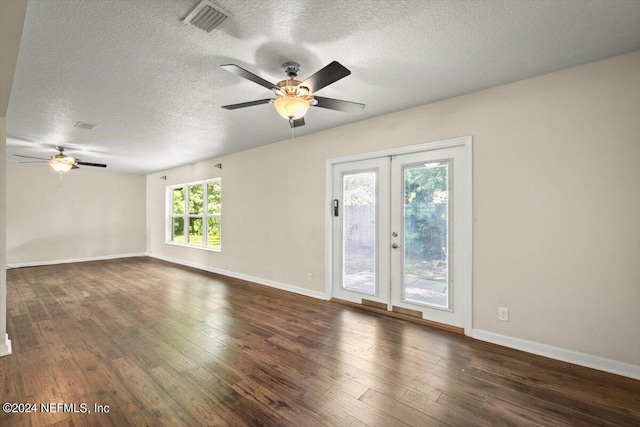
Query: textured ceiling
<point>154,85</point>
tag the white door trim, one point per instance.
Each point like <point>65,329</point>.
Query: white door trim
<point>466,143</point>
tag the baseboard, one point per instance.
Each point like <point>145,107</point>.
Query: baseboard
<point>236,275</point>
<point>5,347</point>
<point>570,356</point>
<point>67,261</point>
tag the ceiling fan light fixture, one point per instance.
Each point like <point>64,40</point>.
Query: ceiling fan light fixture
<point>61,163</point>
<point>291,107</point>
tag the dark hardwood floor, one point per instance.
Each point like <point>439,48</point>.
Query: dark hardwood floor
<point>161,344</point>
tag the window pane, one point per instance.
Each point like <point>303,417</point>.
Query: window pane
<point>213,197</point>
<point>213,232</point>
<point>178,201</point>
<point>359,228</point>
<point>426,232</point>
<point>196,204</point>
<point>195,231</point>
<point>177,230</point>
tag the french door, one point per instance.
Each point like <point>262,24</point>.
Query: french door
<point>401,233</point>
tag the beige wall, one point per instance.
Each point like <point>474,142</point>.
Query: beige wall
<point>83,213</point>
<point>4,343</point>
<point>11,21</point>
<point>556,203</point>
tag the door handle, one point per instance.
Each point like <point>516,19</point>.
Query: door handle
<point>394,246</point>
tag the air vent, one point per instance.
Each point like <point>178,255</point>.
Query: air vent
<point>85,126</point>
<point>206,16</point>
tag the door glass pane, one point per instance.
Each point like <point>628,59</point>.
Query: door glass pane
<point>195,231</point>
<point>426,212</point>
<point>359,232</point>
<point>177,230</point>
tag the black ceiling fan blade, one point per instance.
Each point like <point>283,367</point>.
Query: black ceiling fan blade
<point>329,74</point>
<point>77,167</point>
<point>246,104</point>
<point>233,68</point>
<point>97,165</point>
<point>339,105</point>
<point>297,122</point>
<point>30,157</point>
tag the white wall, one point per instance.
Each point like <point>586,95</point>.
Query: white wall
<point>556,203</point>
<point>83,213</point>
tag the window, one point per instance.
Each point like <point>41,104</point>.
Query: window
<point>194,214</point>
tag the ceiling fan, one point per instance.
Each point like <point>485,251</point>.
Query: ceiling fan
<point>294,97</point>
<point>61,162</point>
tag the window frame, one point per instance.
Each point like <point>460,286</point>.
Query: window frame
<point>186,215</point>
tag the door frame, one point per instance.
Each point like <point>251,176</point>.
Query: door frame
<point>466,227</point>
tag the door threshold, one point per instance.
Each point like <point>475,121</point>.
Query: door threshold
<point>398,315</point>
<point>374,304</point>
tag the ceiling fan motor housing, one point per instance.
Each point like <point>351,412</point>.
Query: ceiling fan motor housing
<point>292,88</point>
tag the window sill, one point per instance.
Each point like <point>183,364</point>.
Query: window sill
<point>184,245</point>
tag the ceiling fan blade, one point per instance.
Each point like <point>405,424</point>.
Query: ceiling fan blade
<point>233,68</point>
<point>339,105</point>
<point>29,157</point>
<point>246,104</point>
<point>98,165</point>
<point>77,167</point>
<point>41,161</point>
<point>297,122</point>
<point>329,74</point>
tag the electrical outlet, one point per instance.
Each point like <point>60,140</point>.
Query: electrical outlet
<point>309,277</point>
<point>503,314</point>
